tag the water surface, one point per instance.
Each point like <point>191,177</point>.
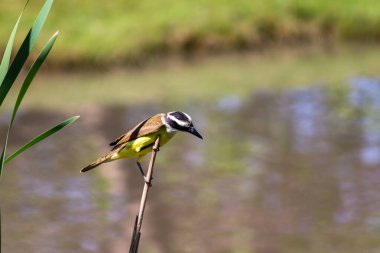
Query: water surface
<point>280,171</point>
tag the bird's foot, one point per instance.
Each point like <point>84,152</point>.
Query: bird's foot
<point>156,149</point>
<point>147,181</point>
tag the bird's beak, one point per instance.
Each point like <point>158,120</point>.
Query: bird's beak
<point>193,131</point>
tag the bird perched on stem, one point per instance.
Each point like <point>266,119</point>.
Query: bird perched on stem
<point>140,140</point>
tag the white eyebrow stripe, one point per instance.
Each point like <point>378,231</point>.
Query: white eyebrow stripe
<point>179,122</point>
<point>187,115</point>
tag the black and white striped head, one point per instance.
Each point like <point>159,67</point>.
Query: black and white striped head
<point>180,121</point>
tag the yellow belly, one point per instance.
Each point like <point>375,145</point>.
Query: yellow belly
<point>143,145</point>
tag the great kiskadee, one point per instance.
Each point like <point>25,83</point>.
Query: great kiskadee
<point>140,140</point>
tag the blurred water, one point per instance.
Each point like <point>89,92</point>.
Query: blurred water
<point>291,171</point>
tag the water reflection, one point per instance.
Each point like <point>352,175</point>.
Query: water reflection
<point>294,171</point>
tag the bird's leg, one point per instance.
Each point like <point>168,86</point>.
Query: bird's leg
<point>158,147</point>
<point>143,174</point>
<point>140,168</point>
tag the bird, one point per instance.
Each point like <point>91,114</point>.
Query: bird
<point>139,141</point>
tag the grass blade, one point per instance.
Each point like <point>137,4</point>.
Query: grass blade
<point>24,51</point>
<point>39,22</point>
<point>2,161</point>
<point>28,80</point>
<point>31,74</point>
<point>41,137</point>
<point>8,49</point>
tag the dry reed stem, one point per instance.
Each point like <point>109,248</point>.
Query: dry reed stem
<point>139,218</point>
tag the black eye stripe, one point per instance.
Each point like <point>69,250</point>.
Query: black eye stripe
<point>175,125</point>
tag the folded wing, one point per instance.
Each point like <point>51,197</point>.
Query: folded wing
<point>148,126</point>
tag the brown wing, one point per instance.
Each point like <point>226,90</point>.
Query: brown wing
<point>145,127</point>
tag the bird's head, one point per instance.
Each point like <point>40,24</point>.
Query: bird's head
<point>180,121</point>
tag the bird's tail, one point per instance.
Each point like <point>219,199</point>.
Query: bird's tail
<point>95,164</point>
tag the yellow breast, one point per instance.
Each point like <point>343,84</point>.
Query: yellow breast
<point>143,145</point>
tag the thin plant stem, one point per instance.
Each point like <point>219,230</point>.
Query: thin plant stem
<point>139,218</point>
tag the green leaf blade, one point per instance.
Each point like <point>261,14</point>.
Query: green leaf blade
<point>31,74</point>
<point>2,159</point>
<point>24,51</point>
<point>8,51</point>
<point>39,22</point>
<point>41,137</point>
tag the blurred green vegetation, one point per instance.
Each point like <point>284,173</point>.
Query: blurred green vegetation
<point>119,31</point>
<point>211,78</point>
